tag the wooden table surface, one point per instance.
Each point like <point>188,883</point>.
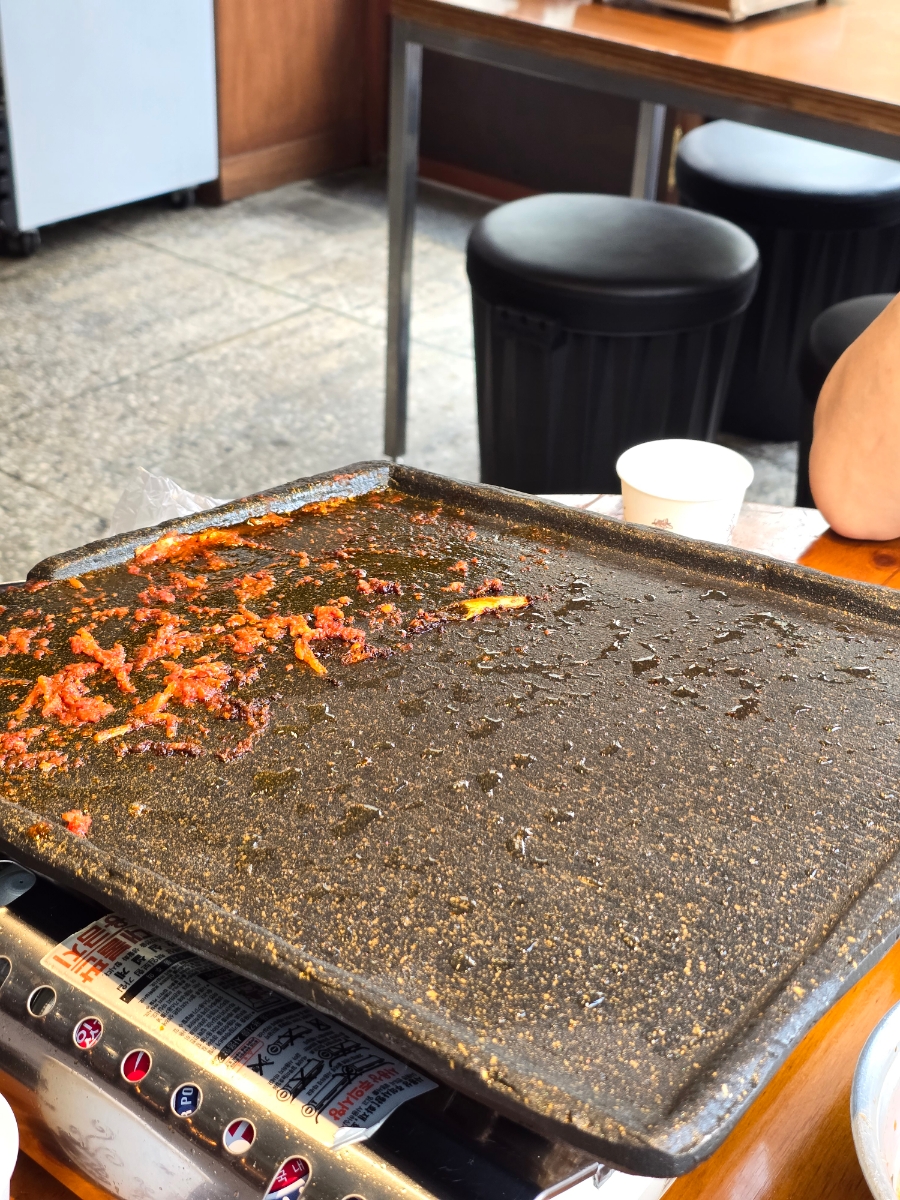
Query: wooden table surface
<point>795,1142</point>
<point>836,61</point>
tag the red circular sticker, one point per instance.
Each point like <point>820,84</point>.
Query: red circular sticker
<point>136,1066</point>
<point>290,1181</point>
<point>87,1033</point>
<point>238,1136</point>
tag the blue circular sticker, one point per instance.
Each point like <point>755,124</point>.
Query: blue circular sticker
<point>186,1100</point>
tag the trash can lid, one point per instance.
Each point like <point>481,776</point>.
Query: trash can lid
<point>608,264</point>
<point>760,177</point>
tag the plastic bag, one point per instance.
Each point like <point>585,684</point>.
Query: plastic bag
<point>149,499</point>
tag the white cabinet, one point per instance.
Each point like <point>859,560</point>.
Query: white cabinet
<point>107,101</point>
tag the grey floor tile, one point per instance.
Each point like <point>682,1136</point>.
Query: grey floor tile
<point>350,276</point>
<point>443,214</point>
<point>91,308</point>
<point>364,187</point>
<point>299,397</point>
<point>254,411</point>
<point>269,234</point>
<point>347,273</point>
<point>443,424</point>
<point>319,244</point>
<point>446,325</point>
<point>34,525</point>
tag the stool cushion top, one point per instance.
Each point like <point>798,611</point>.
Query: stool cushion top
<point>759,177</point>
<point>833,332</point>
<point>607,264</point>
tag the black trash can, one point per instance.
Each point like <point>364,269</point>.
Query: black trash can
<point>832,332</point>
<point>827,223</point>
<point>600,322</point>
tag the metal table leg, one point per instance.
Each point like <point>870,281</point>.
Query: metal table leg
<point>648,151</point>
<point>403,165</point>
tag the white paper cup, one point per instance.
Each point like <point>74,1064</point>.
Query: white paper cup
<point>9,1147</point>
<point>874,1106</point>
<point>689,487</point>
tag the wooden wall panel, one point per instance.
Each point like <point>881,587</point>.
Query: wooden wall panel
<point>378,54</point>
<point>303,91</point>
<point>538,134</point>
<point>292,90</point>
<point>508,135</point>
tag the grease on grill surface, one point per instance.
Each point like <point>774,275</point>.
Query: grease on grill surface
<point>222,643</point>
<point>593,834</point>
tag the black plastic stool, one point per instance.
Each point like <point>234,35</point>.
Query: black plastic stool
<point>827,223</point>
<point>600,322</point>
<point>831,334</point>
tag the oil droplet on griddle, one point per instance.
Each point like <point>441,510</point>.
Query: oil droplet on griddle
<point>356,818</point>
<point>461,961</point>
<point>320,712</point>
<point>488,780</point>
<point>645,663</point>
<point>554,816</point>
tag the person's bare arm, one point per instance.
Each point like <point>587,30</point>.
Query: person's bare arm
<point>854,465</point>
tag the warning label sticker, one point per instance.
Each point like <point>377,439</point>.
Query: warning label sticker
<point>324,1078</point>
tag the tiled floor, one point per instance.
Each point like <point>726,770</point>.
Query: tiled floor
<point>233,349</point>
